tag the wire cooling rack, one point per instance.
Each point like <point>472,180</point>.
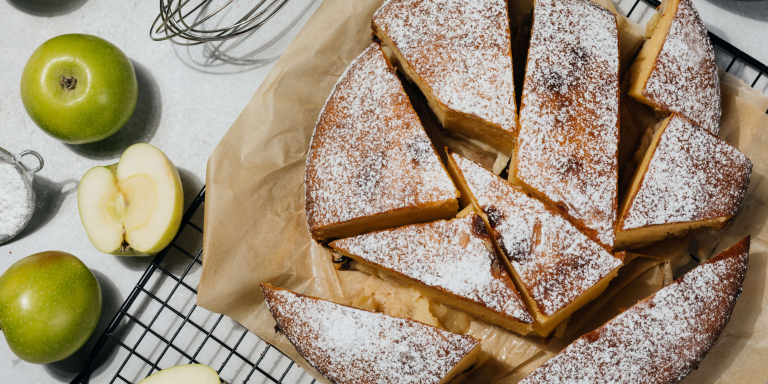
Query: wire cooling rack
<point>159,325</point>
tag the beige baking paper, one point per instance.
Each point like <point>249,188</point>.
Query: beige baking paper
<point>256,232</point>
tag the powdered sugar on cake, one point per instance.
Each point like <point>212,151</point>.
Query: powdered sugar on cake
<point>659,340</point>
<point>568,141</point>
<point>693,175</point>
<point>349,345</point>
<point>369,153</point>
<point>554,261</point>
<point>684,78</point>
<point>448,255</point>
<point>460,49</point>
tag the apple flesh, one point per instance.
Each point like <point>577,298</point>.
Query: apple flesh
<point>187,374</point>
<point>50,303</point>
<point>134,207</point>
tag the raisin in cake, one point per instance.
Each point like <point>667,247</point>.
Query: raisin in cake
<point>689,178</point>
<point>459,55</point>
<point>567,147</point>
<point>661,339</point>
<point>675,70</point>
<point>558,268</point>
<point>353,346</point>
<point>370,164</point>
<point>452,261</point>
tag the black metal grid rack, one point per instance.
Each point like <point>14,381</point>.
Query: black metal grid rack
<point>159,325</point>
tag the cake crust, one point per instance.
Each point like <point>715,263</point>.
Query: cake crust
<point>661,339</point>
<point>370,164</point>
<point>349,345</point>
<point>567,147</point>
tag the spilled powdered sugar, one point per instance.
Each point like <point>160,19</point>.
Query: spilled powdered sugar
<point>568,141</point>
<point>684,78</point>
<point>349,345</point>
<point>460,49</point>
<point>555,262</point>
<point>448,255</point>
<point>369,153</point>
<point>693,175</point>
<point>659,340</point>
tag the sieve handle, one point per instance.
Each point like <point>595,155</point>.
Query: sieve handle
<point>35,154</point>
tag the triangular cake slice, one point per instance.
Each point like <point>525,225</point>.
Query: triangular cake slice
<point>459,55</point>
<point>452,261</point>
<point>567,148</point>
<point>676,70</point>
<point>558,269</point>
<point>353,346</point>
<point>660,339</point>
<point>370,164</point>
<point>689,178</point>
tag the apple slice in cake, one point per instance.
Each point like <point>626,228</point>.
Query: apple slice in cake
<point>660,339</point>
<point>557,268</point>
<point>675,70</point>
<point>689,178</point>
<point>353,346</point>
<point>567,148</point>
<point>370,164</point>
<point>459,55</point>
<point>452,261</point>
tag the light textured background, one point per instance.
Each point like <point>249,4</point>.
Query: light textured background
<point>187,101</point>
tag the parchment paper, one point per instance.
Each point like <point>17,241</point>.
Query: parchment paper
<point>256,232</point>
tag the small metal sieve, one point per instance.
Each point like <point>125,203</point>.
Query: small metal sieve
<point>27,175</point>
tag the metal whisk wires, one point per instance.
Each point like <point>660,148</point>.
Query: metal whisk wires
<point>186,22</point>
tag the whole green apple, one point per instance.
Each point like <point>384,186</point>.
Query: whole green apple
<point>50,303</point>
<point>79,88</point>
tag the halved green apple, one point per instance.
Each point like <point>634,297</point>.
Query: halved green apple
<point>134,207</point>
<point>187,374</point>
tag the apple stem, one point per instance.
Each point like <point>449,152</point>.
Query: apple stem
<point>68,82</point>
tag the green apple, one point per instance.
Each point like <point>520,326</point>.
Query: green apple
<point>187,374</point>
<point>50,303</point>
<point>134,207</point>
<point>79,88</point>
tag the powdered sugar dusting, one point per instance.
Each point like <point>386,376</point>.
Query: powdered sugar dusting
<point>349,345</point>
<point>554,260</point>
<point>448,255</point>
<point>568,141</point>
<point>693,175</point>
<point>369,153</point>
<point>662,338</point>
<point>460,49</point>
<point>684,78</point>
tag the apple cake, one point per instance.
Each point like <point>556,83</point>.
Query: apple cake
<point>350,345</point>
<point>662,338</point>
<point>370,164</point>
<point>558,269</point>
<point>689,178</point>
<point>452,261</point>
<point>459,54</point>
<point>567,146</point>
<point>675,70</point>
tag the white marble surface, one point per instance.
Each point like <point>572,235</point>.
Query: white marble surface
<point>186,103</point>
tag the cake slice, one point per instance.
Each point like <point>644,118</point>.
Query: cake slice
<point>689,178</point>
<point>558,269</point>
<point>567,148</point>
<point>370,164</point>
<point>353,346</point>
<point>459,55</point>
<point>661,339</point>
<point>452,261</point>
<point>675,70</point>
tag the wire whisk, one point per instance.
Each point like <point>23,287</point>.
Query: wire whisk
<point>182,21</point>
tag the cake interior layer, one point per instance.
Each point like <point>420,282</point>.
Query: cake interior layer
<point>462,123</point>
<point>646,58</point>
<point>429,212</point>
<point>449,299</point>
<point>641,237</point>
